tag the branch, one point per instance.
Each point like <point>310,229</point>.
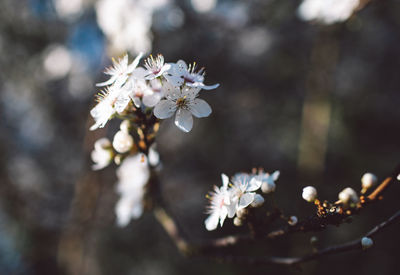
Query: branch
<point>317,222</point>
<point>349,246</point>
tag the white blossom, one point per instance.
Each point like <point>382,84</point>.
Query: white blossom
<point>103,111</point>
<point>368,180</point>
<point>120,70</point>
<point>327,11</point>
<point>267,181</point>
<point>102,154</point>
<point>179,73</point>
<point>242,192</point>
<point>348,196</point>
<point>155,67</point>
<point>219,199</point>
<point>122,142</point>
<point>133,175</point>
<point>366,243</point>
<point>185,103</point>
<point>309,193</point>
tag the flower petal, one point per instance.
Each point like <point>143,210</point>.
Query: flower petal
<point>164,109</point>
<point>211,222</point>
<point>275,175</point>
<point>134,63</point>
<point>150,100</point>
<point>139,73</point>
<point>232,209</point>
<point>225,180</point>
<point>200,108</point>
<point>170,91</point>
<point>253,185</point>
<point>183,120</point>
<point>246,199</point>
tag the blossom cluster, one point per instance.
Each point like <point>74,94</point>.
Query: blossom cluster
<point>236,194</point>
<point>140,96</point>
<point>169,88</point>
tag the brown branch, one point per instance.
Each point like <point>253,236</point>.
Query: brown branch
<point>349,246</point>
<point>316,222</point>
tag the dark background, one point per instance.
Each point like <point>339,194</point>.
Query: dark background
<point>318,102</point>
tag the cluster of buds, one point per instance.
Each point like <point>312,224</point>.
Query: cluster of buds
<point>348,197</point>
<point>237,194</point>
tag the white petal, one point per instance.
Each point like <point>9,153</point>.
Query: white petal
<point>164,109</point>
<point>202,86</point>
<point>275,175</point>
<point>139,73</point>
<point>121,103</point>
<point>183,120</point>
<point>210,87</point>
<point>231,209</point>
<point>253,185</point>
<point>211,222</point>
<point>222,215</point>
<point>200,108</point>
<point>134,63</point>
<point>225,180</point>
<point>181,65</point>
<point>171,91</point>
<point>174,80</point>
<point>190,92</point>
<point>136,101</point>
<point>246,199</point>
<point>151,100</point>
<point>108,82</point>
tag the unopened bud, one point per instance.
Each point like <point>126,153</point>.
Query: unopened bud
<point>292,220</point>
<point>241,213</point>
<point>366,242</point>
<point>367,181</point>
<point>258,201</point>
<point>349,197</point>
<point>122,142</point>
<point>309,193</point>
<point>125,126</point>
<point>237,221</point>
<point>313,240</point>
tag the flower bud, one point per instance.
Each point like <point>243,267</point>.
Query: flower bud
<point>348,196</point>
<point>241,213</point>
<point>125,126</point>
<point>268,187</point>
<point>366,242</point>
<point>292,220</point>
<point>258,201</point>
<point>237,221</point>
<point>314,240</point>
<point>122,142</point>
<point>309,193</point>
<point>368,180</point>
<point>268,181</point>
<point>102,154</point>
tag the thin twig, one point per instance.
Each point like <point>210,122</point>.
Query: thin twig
<point>349,246</point>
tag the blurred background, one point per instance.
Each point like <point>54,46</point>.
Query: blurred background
<point>313,93</point>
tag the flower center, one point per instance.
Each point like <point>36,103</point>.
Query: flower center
<point>181,102</point>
